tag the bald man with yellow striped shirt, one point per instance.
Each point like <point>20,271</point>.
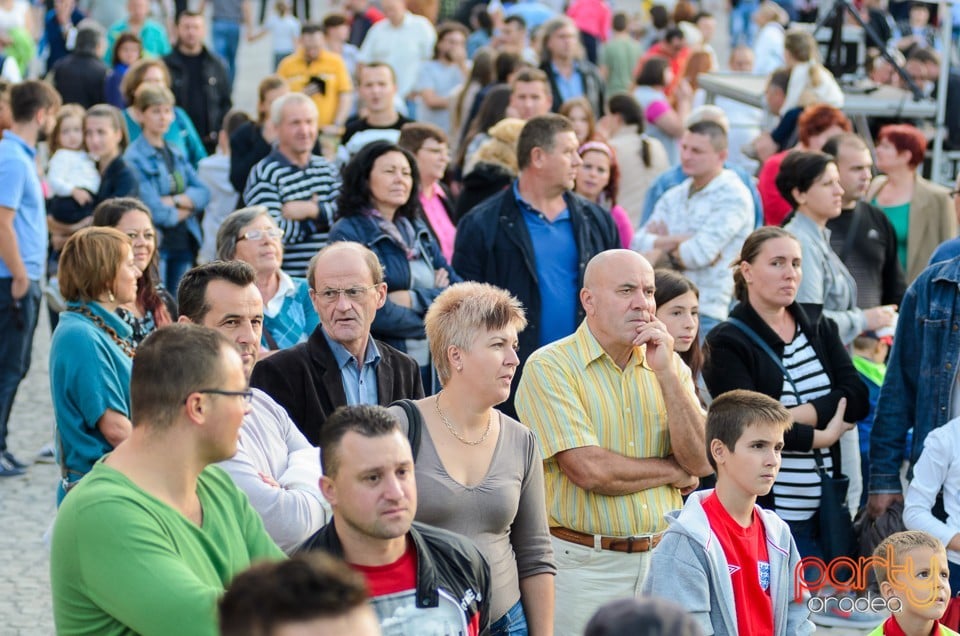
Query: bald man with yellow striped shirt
<point>622,435</point>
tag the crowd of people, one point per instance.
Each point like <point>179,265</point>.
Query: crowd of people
<point>482,323</point>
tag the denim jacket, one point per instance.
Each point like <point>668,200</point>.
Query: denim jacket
<point>395,323</point>
<point>155,181</point>
<point>921,373</point>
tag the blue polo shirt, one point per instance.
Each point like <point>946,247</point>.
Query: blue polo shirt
<point>556,258</point>
<point>359,384</point>
<point>568,87</point>
<point>21,192</point>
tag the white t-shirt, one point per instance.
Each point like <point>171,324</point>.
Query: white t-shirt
<point>284,32</point>
<point>15,16</point>
<point>403,47</point>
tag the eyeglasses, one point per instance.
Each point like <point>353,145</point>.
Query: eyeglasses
<point>247,395</point>
<point>256,235</point>
<point>331,295</point>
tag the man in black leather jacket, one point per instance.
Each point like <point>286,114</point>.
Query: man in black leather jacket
<point>199,79</point>
<point>418,575</point>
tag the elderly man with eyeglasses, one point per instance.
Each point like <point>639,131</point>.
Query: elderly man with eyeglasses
<point>340,363</point>
<point>274,463</point>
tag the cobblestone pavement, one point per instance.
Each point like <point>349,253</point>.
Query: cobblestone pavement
<point>27,503</point>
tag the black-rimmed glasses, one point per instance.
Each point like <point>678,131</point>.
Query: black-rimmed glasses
<point>247,395</point>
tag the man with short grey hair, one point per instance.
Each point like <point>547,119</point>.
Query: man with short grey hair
<point>675,176</point>
<point>299,188</point>
<point>79,77</point>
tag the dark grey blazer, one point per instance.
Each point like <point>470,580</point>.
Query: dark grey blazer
<point>306,381</point>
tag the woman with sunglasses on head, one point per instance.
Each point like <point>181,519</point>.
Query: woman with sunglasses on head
<point>251,235</point>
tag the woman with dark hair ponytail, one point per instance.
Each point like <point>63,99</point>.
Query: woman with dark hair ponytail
<point>154,306</point>
<point>624,128</point>
<point>792,352</point>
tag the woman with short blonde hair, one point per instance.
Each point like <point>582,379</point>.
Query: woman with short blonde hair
<point>478,471</point>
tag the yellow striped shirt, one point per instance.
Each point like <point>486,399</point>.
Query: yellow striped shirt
<point>572,394</point>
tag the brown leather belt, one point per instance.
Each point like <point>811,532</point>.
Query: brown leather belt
<point>629,545</point>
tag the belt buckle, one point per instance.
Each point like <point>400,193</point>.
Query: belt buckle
<point>637,539</point>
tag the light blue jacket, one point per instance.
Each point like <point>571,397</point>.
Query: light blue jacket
<point>155,182</point>
<point>689,568</point>
<point>182,134</point>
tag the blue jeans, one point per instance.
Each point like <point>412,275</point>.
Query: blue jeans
<point>806,534</point>
<point>18,320</point>
<point>173,265</point>
<point>226,40</point>
<point>513,623</point>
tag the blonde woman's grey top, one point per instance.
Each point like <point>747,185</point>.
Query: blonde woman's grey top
<point>504,514</point>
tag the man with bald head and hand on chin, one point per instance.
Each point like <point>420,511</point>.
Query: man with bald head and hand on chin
<point>622,433</point>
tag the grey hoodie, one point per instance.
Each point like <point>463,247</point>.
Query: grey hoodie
<point>689,568</point>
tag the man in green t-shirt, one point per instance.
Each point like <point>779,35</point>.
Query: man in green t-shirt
<point>619,57</point>
<point>150,537</point>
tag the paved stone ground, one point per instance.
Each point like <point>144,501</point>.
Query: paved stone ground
<point>27,503</point>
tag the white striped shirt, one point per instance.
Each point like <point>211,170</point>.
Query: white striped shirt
<point>797,489</point>
<point>273,181</point>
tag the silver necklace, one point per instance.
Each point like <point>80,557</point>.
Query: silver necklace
<point>453,431</point>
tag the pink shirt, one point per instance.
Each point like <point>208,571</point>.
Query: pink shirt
<point>439,220</point>
<point>592,17</point>
<point>624,227</point>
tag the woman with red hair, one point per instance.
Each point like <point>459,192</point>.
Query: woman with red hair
<point>921,212</point>
<point>598,180</point>
<point>816,125</point>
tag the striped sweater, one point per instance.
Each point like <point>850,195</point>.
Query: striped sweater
<point>274,181</point>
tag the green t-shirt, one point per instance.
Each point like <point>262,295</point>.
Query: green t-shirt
<point>124,562</point>
<point>620,55</point>
<point>899,216</point>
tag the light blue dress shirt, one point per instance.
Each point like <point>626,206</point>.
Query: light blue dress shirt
<point>359,382</point>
